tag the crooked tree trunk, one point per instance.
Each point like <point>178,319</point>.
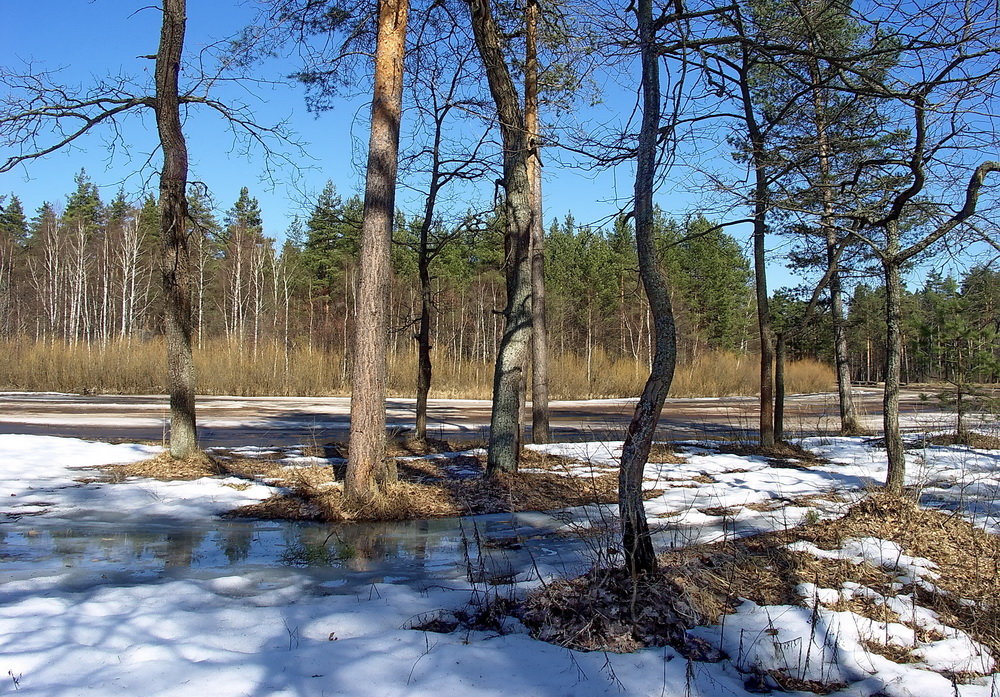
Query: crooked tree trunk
<point>424,368</point>
<point>513,352</point>
<point>366,467</point>
<point>176,255</point>
<point>539,337</point>
<point>636,542</point>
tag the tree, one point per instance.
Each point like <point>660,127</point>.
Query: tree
<point>956,346</point>
<point>945,76</point>
<point>512,358</point>
<point>243,254</point>
<point>827,132</point>
<point>439,79</point>
<point>636,541</point>
<point>367,470</point>
<point>41,116</point>
<point>175,269</point>
<point>13,238</point>
<point>539,338</point>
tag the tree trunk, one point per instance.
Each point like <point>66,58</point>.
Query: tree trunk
<point>893,339</point>
<point>637,544</point>
<point>424,368</point>
<point>176,261</point>
<point>849,424</point>
<point>513,352</point>
<point>779,388</point>
<point>539,338</point>
<point>366,467</point>
<point>760,204</point>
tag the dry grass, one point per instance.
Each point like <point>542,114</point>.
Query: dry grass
<point>972,439</point>
<point>968,558</point>
<point>426,489</point>
<point>605,610</point>
<point>598,611</point>
<point>225,367</point>
<point>166,468</point>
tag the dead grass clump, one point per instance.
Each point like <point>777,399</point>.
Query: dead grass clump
<point>434,470</point>
<point>972,439</point>
<point>427,489</point>
<point>166,468</point>
<point>530,492</point>
<point>407,445</point>
<point>866,607</point>
<point>533,459</point>
<point>720,510</point>
<point>703,479</point>
<point>282,507</point>
<point>791,683</point>
<point>604,610</point>
<point>968,558</point>
<point>400,501</point>
<point>663,453</point>
<point>894,652</point>
<point>767,505</point>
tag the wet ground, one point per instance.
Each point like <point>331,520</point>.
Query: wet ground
<point>234,421</point>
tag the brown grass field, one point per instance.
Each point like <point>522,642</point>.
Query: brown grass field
<point>226,368</point>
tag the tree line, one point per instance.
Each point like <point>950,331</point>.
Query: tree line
<point>83,270</point>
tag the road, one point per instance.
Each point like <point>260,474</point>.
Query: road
<point>231,421</point>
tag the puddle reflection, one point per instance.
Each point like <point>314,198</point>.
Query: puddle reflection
<point>344,556</point>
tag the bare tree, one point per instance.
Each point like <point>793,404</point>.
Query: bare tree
<point>941,99</point>
<point>40,117</point>
<point>445,95</point>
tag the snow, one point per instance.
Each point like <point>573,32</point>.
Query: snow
<point>70,626</point>
<point>38,478</point>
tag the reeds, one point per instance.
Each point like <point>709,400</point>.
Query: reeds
<point>226,367</point>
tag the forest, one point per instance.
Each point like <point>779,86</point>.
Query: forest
<point>81,272</point>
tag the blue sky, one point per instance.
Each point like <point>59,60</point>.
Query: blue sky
<point>88,40</point>
<point>91,40</point>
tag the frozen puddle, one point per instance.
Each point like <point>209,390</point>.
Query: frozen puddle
<point>340,558</point>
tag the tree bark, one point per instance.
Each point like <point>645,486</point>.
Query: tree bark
<point>539,337</point>
<point>424,367</point>
<point>367,470</point>
<point>513,352</point>
<point>637,544</point>
<point>779,388</point>
<point>895,454</point>
<point>760,204</point>
<point>176,258</point>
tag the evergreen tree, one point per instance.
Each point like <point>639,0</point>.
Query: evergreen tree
<point>13,223</point>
